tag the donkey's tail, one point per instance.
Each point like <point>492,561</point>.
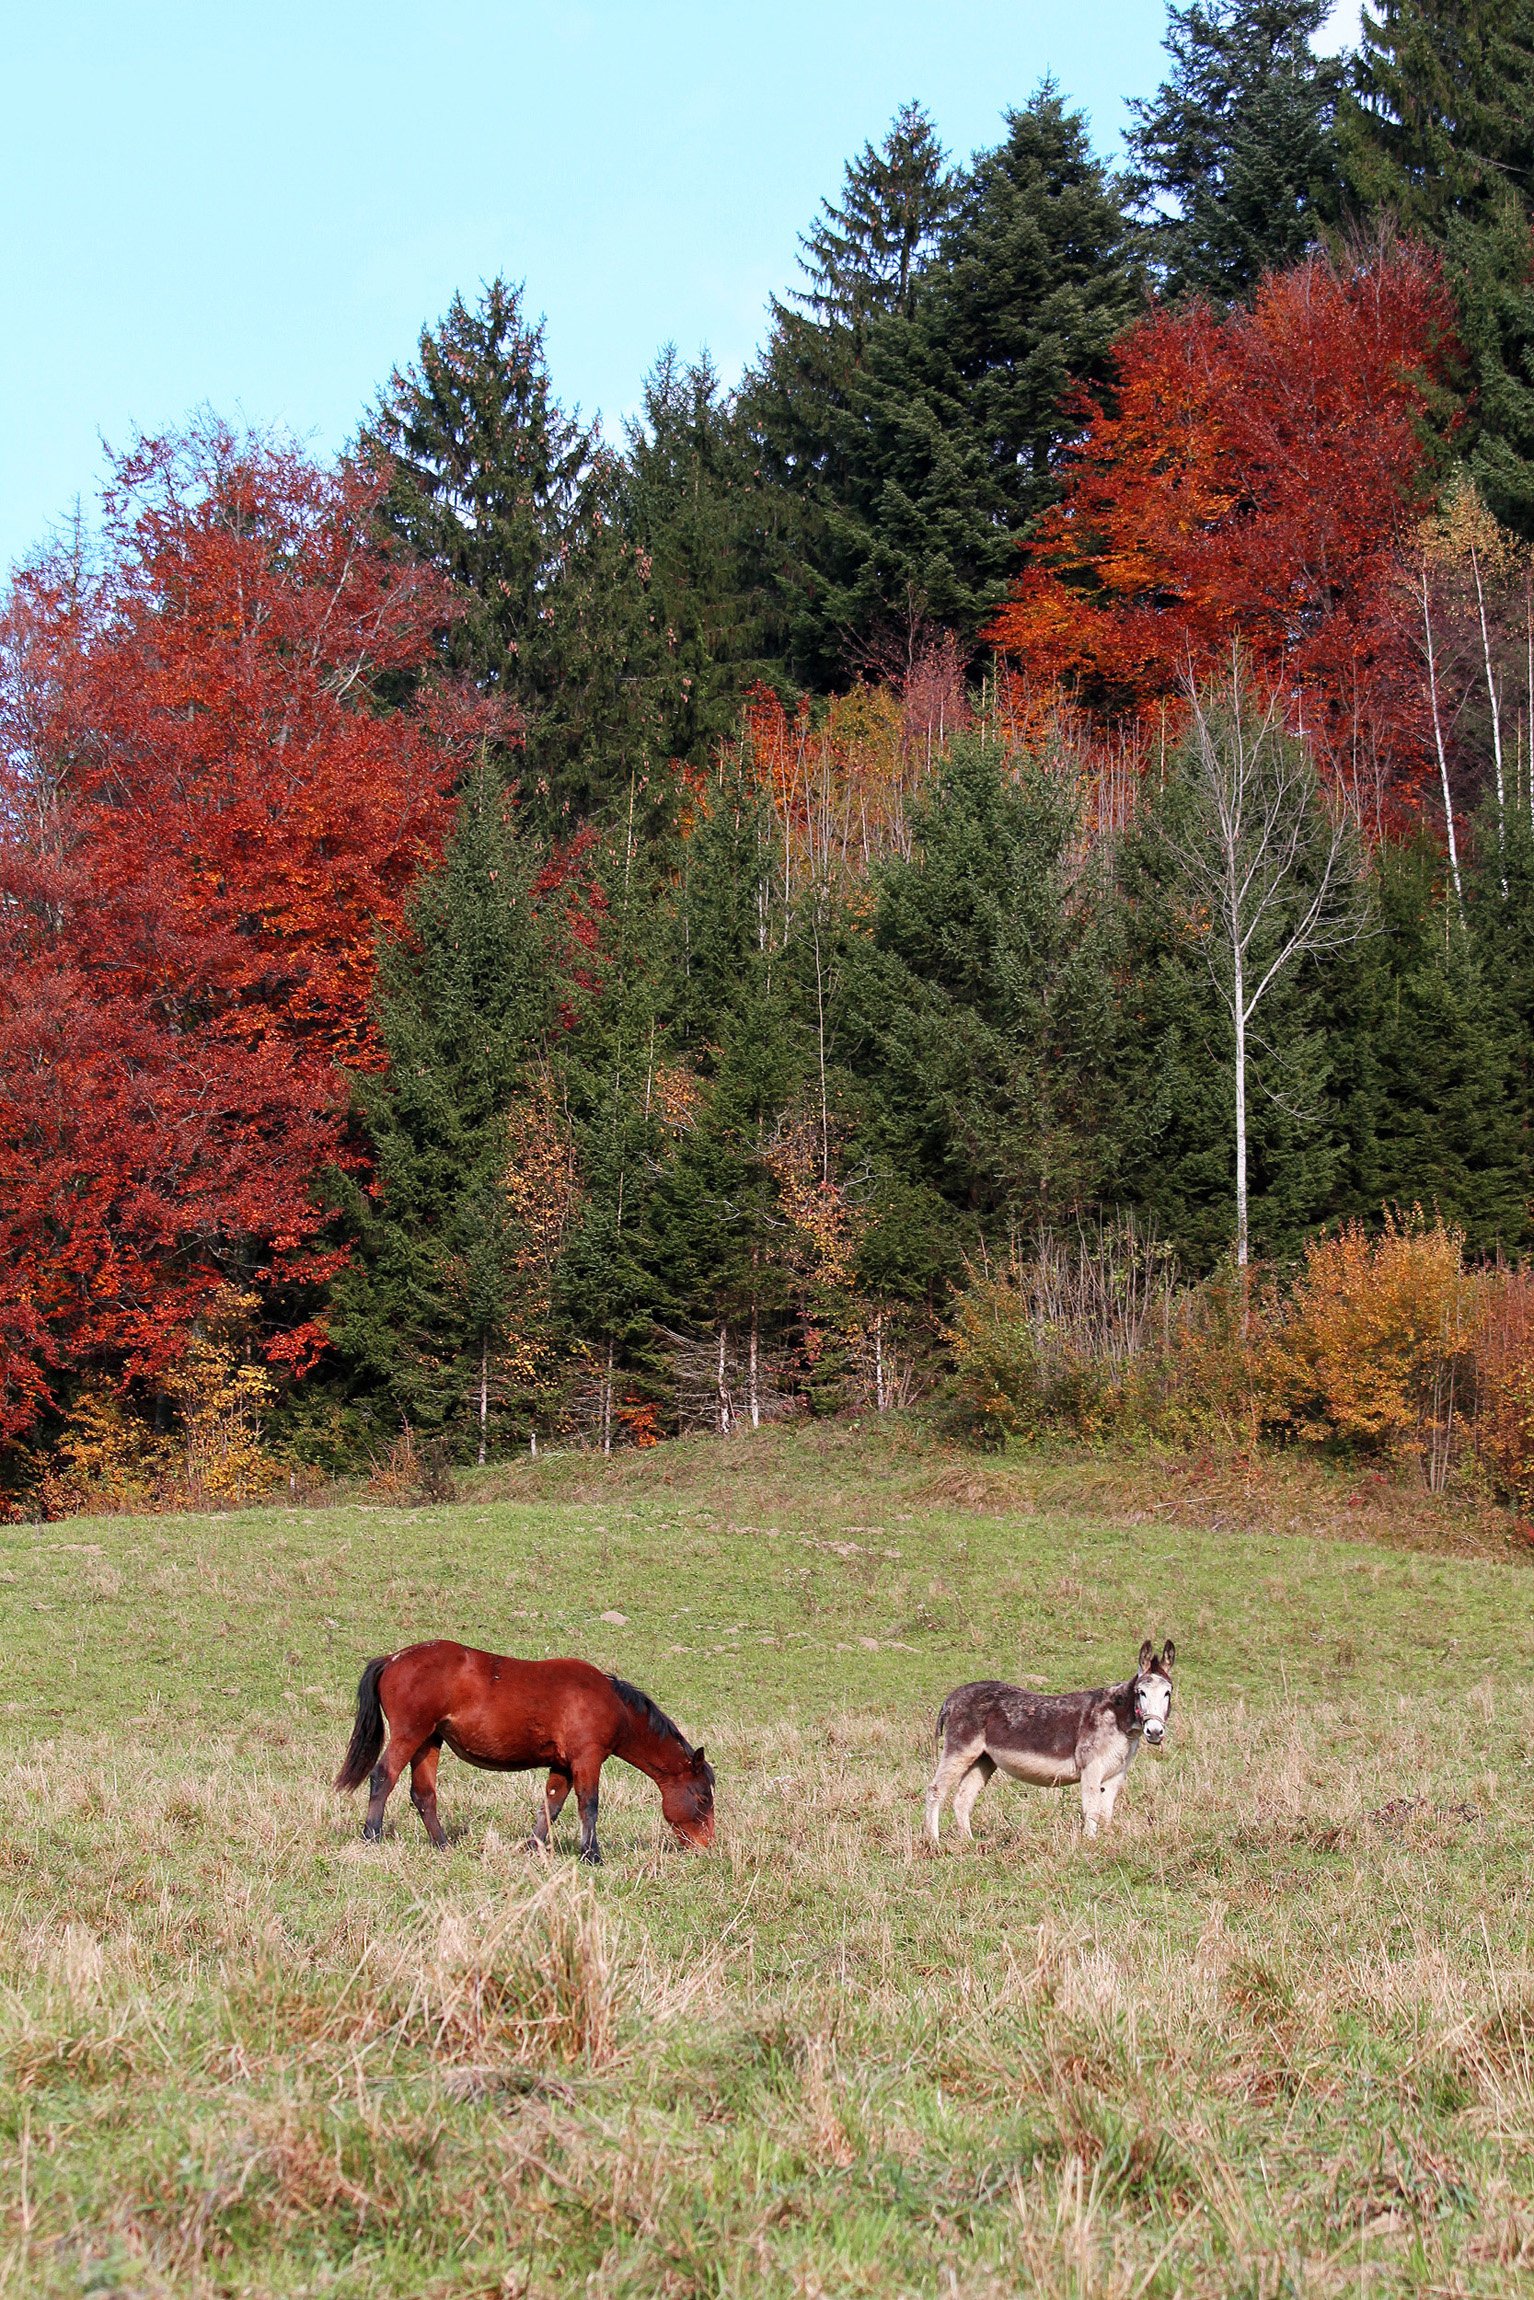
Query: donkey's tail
<point>368,1731</point>
<point>941,1728</point>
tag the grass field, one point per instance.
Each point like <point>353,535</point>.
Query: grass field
<point>1274,2035</point>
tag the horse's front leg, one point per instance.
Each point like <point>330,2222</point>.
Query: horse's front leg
<point>587,1783</point>
<point>555,1790</point>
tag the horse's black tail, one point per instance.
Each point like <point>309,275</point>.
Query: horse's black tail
<point>368,1731</point>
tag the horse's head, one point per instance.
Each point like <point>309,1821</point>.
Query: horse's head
<point>687,1800</point>
<point>1153,1692</point>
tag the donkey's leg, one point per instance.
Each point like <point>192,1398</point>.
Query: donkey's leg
<point>587,1779</point>
<point>1096,1798</point>
<point>423,1790</point>
<point>555,1790</point>
<point>1108,1794</point>
<point>952,1765</point>
<point>968,1790</point>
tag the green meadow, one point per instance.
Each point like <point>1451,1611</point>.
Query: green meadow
<point>1274,2034</point>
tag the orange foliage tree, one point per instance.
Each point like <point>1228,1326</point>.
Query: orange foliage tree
<point>206,813</point>
<point>1253,475</point>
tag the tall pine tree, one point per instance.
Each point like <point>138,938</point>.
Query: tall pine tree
<point>426,1314</point>
<point>1235,156</point>
<point>939,440</point>
<point>520,504</point>
<point>979,1020</point>
<point>1437,133</point>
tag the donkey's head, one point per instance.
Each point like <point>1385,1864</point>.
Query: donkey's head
<point>1153,1691</point>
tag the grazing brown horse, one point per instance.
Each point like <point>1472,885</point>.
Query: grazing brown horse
<point>510,1716</point>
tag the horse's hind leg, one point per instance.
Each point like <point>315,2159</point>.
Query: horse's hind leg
<point>555,1790</point>
<point>401,1750</point>
<point>423,1790</point>
<point>968,1790</point>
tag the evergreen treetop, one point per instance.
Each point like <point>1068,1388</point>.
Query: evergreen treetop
<point>863,255</point>
<point>1236,162</point>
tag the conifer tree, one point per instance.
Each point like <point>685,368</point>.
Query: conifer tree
<point>980,1020</point>
<point>730,1030</point>
<point>694,506</point>
<point>1437,133</point>
<point>862,256</point>
<point>1236,163</point>
<point>425,1314</point>
<point>862,261</point>
<point>1424,1054</point>
<point>938,443</point>
<point>519,503</point>
<point>608,1065</point>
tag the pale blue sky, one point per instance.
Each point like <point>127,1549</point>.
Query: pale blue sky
<point>257,207</point>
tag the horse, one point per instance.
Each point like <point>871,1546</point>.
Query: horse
<point>510,1716</point>
<point>1049,1738</point>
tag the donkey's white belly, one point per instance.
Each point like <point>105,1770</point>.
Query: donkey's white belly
<point>1043,1772</point>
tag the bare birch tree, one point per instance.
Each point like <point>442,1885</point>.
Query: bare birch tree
<point>1270,863</point>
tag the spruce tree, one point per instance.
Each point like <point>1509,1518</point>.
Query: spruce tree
<point>425,1314</point>
<point>863,255</point>
<point>519,503</point>
<point>1437,133</point>
<point>695,508</point>
<point>1236,162</point>
<point>729,1029</point>
<point>862,262</point>
<point>1425,1044</point>
<point>979,1020</point>
<point>608,1063</point>
<point>938,443</point>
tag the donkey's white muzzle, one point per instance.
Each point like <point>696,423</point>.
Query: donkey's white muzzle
<point>1155,1734</point>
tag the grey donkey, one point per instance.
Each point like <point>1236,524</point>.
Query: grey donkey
<point>1049,1738</point>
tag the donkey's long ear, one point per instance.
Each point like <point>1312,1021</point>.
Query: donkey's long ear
<point>1147,1654</point>
<point>1168,1654</point>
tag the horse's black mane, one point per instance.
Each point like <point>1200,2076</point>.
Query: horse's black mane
<point>652,1713</point>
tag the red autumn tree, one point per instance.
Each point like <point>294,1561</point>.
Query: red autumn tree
<point>206,813</point>
<point>1253,476</point>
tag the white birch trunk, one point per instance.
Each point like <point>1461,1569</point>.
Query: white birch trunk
<point>1443,763</point>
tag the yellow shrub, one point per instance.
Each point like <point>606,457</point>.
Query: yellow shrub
<point>1374,1343</point>
<point>106,1459</point>
<point>220,1396</point>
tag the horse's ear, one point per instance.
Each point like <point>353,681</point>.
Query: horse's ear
<point>1147,1654</point>
<point>699,1761</point>
<point>1168,1654</point>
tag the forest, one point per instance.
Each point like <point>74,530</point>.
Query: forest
<point>989,865</point>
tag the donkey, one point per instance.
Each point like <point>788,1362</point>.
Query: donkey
<point>1048,1738</point>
